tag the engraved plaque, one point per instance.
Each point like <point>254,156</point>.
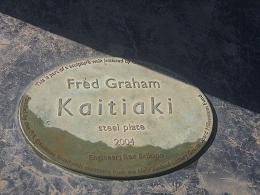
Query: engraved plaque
<point>112,118</point>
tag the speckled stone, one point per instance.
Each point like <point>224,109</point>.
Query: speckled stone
<point>213,44</point>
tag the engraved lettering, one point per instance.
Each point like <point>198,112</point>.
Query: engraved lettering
<point>111,107</point>
<point>154,107</point>
<point>154,84</point>
<point>86,84</point>
<point>141,108</point>
<point>110,84</point>
<point>95,84</point>
<point>124,107</point>
<point>70,82</point>
<point>133,83</point>
<point>62,106</point>
<point>81,109</point>
<point>170,105</point>
<point>100,107</point>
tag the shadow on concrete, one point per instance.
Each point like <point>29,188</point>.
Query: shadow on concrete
<point>215,45</point>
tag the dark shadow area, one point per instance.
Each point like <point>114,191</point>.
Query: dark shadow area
<point>215,45</point>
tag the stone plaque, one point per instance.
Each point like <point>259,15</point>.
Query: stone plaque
<point>112,118</point>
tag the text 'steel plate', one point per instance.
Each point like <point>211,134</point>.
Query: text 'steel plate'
<point>112,118</point>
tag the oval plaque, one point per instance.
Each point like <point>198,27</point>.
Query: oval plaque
<point>112,118</point>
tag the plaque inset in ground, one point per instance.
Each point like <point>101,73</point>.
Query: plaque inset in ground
<point>109,117</point>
